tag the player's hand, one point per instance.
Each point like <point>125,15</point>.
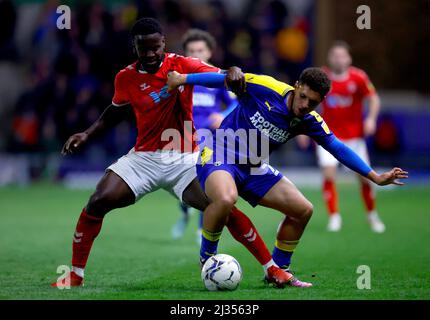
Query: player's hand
<point>369,127</point>
<point>236,80</point>
<point>74,143</point>
<point>215,119</point>
<point>390,177</point>
<point>174,80</point>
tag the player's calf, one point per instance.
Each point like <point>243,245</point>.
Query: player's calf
<point>214,220</point>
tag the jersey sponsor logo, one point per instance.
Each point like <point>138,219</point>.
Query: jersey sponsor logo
<point>157,96</point>
<point>268,128</point>
<point>203,99</point>
<point>339,101</point>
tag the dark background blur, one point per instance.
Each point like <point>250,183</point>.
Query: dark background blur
<point>54,83</point>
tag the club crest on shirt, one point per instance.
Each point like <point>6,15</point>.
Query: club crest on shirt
<point>143,87</point>
<point>294,122</point>
<point>352,87</point>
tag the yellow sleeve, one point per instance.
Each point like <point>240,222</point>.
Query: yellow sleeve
<point>268,82</point>
<point>320,119</point>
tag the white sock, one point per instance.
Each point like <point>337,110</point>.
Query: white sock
<point>78,271</point>
<point>372,214</point>
<point>268,265</point>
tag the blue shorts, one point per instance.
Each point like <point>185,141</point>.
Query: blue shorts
<point>252,182</point>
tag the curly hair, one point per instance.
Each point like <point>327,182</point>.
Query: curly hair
<point>316,79</point>
<point>145,26</point>
<point>198,35</point>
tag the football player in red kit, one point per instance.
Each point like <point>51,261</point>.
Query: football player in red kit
<point>343,111</point>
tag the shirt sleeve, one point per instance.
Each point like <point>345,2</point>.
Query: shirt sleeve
<point>365,85</point>
<point>268,82</point>
<point>347,157</point>
<point>317,129</point>
<point>121,96</point>
<point>195,65</point>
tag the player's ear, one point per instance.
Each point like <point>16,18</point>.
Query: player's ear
<point>133,45</point>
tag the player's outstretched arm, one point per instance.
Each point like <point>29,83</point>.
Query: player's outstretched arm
<point>234,79</point>
<point>350,159</point>
<point>109,118</point>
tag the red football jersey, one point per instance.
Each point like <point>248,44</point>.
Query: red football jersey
<point>342,109</point>
<point>156,109</point>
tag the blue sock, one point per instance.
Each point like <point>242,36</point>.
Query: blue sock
<point>282,258</point>
<point>209,245</point>
<point>283,251</point>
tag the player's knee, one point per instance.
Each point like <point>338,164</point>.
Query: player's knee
<point>99,204</point>
<point>227,201</point>
<point>307,211</point>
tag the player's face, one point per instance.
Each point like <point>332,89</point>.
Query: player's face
<point>339,59</point>
<point>305,100</point>
<point>150,50</point>
<point>198,49</point>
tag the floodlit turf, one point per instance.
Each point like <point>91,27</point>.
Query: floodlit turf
<point>135,258</point>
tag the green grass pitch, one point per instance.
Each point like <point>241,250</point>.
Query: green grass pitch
<point>135,258</point>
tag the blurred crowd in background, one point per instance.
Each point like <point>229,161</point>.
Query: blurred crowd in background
<point>54,83</point>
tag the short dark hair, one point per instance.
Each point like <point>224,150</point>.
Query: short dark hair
<point>341,44</point>
<point>198,35</point>
<point>316,79</point>
<point>145,26</point>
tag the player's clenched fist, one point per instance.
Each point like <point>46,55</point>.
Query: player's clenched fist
<point>235,80</point>
<point>74,143</point>
<point>175,79</point>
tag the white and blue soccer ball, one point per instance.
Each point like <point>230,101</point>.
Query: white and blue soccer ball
<point>221,272</point>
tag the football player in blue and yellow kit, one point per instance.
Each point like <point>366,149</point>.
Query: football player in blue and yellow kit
<point>269,113</point>
<point>210,106</point>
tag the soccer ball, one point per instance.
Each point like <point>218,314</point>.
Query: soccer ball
<point>221,272</point>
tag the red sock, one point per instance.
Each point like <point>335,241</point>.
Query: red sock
<point>244,231</point>
<point>330,196</point>
<point>368,196</point>
<point>87,229</point>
